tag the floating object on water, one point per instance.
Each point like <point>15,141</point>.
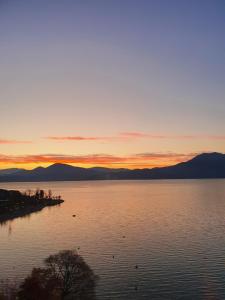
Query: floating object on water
<point>136,288</point>
<point>124,236</point>
<point>113,256</point>
<point>136,267</point>
<point>74,216</point>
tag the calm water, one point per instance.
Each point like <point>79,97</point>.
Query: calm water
<point>174,231</point>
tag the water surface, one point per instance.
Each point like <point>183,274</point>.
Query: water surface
<point>173,230</point>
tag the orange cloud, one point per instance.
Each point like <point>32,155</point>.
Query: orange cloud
<point>131,161</point>
<point>3,141</point>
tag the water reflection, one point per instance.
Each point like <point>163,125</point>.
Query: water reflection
<point>8,218</point>
<point>10,228</point>
<point>174,233</point>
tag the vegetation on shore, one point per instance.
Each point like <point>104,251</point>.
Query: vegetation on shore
<point>65,276</point>
<point>15,204</point>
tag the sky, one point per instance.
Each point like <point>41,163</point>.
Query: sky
<point>132,83</point>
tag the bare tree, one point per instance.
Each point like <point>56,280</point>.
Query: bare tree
<point>41,194</point>
<point>37,193</point>
<point>71,271</point>
<point>49,194</point>
<point>66,276</point>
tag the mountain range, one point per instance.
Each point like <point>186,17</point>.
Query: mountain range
<point>206,165</point>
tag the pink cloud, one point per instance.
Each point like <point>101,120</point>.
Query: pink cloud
<point>128,136</point>
<point>3,141</point>
<point>158,136</point>
<point>78,138</point>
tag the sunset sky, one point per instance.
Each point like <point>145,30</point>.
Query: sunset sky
<point>110,82</point>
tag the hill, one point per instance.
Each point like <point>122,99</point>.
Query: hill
<point>206,165</point>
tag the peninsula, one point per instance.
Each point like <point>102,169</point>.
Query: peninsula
<point>14,204</point>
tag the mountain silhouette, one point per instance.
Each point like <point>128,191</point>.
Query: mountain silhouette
<point>206,165</point>
<point>10,171</point>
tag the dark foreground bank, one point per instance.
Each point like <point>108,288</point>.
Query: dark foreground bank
<point>65,276</point>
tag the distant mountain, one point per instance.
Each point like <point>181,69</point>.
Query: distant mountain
<point>206,165</point>
<point>10,171</point>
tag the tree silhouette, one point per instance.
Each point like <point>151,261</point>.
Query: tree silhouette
<point>66,276</point>
<point>41,194</point>
<point>49,194</point>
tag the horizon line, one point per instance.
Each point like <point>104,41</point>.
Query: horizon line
<point>109,165</point>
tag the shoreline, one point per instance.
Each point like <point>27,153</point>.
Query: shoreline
<point>14,204</point>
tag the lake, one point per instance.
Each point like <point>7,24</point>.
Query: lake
<point>173,230</point>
